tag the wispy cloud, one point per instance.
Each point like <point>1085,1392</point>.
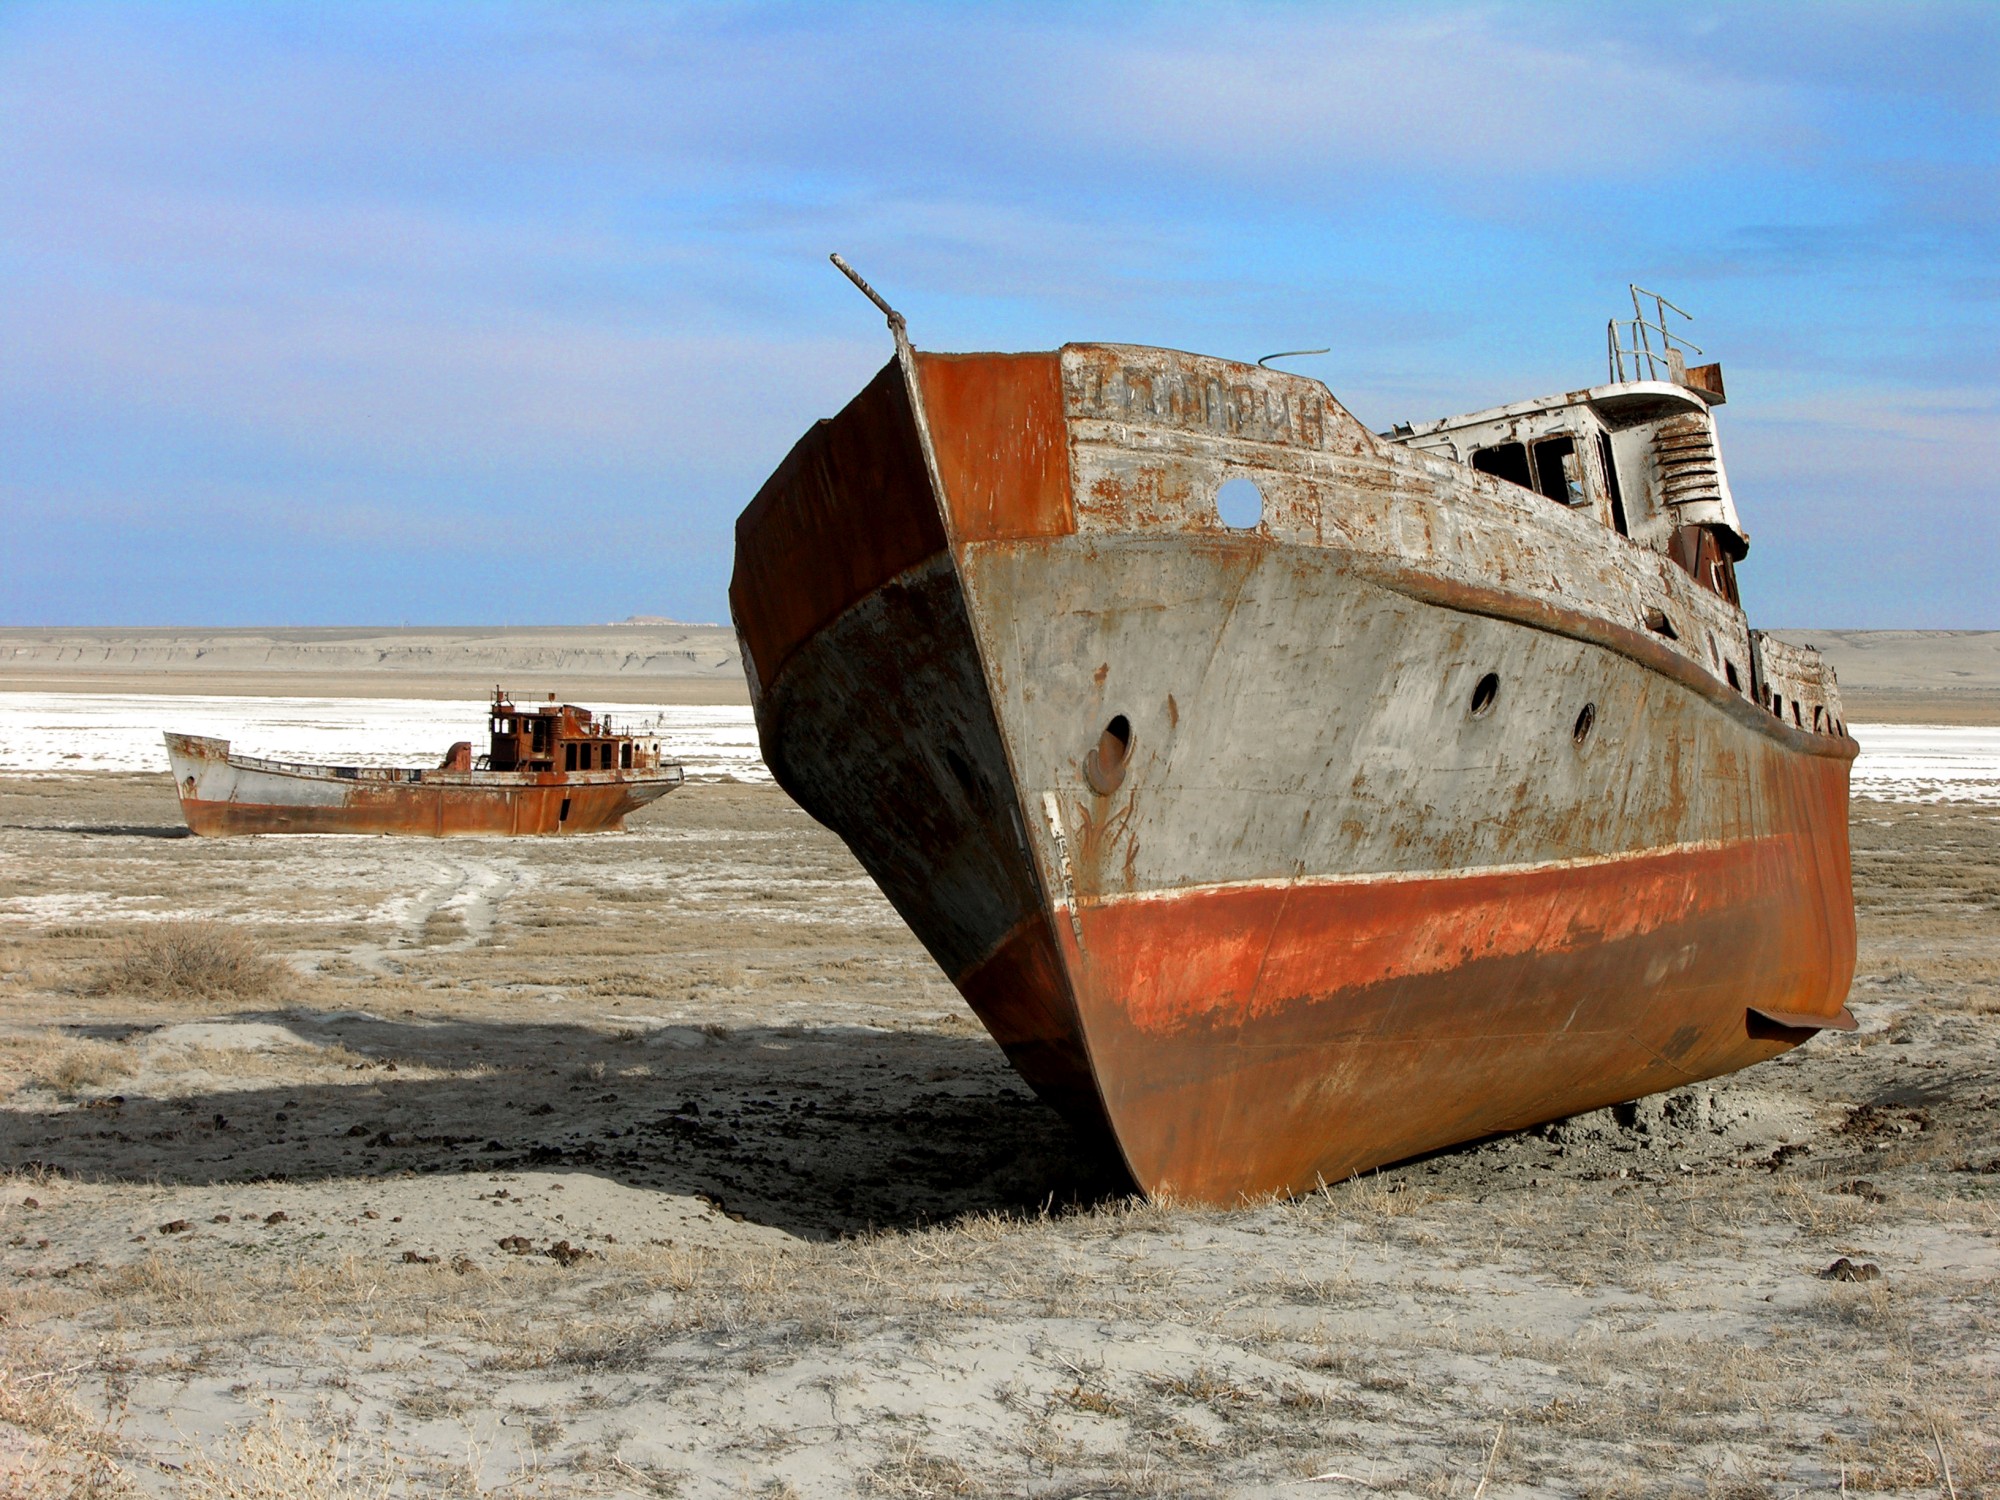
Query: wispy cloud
<point>398,275</point>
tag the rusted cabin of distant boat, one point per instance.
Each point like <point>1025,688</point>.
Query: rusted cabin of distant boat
<point>560,737</point>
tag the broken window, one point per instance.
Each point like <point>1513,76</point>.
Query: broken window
<point>1611,483</point>
<point>1508,461</point>
<point>1557,472</point>
<point>569,757</point>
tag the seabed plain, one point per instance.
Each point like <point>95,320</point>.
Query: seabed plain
<point>667,1164</point>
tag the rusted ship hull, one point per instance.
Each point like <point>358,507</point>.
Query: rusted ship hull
<point>1322,915</point>
<point>224,794</point>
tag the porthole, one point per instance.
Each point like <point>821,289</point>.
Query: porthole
<point>1729,671</point>
<point>1239,504</point>
<point>1585,721</point>
<point>1484,693</point>
<point>1661,624</point>
<point>1104,767</point>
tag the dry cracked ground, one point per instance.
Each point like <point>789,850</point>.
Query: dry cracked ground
<point>666,1164</point>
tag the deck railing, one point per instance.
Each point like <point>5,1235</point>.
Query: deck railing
<point>1633,340</point>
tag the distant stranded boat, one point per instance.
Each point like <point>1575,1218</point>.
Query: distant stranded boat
<point>1441,790</point>
<point>552,768</point>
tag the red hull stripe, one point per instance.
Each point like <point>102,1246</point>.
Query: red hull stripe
<point>1231,953</point>
<point>443,812</point>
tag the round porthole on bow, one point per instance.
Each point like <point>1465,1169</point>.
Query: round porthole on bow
<point>1104,767</point>
<point>1483,693</point>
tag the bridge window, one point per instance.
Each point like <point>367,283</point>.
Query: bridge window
<point>1559,473</point>
<point>1611,483</point>
<point>1508,461</point>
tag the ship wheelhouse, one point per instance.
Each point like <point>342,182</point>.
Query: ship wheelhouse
<point>561,739</point>
<point>1639,454</point>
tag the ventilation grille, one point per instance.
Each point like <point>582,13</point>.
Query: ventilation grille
<point>1684,448</point>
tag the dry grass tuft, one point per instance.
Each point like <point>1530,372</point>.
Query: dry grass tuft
<point>65,1066</point>
<point>912,1472</point>
<point>191,960</point>
<point>51,1446</point>
<point>278,1459</point>
<point>81,1065</point>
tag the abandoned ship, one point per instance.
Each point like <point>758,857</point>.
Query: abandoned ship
<point>1440,790</point>
<point>550,768</point>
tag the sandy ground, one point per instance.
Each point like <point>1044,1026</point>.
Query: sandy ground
<point>666,1164</point>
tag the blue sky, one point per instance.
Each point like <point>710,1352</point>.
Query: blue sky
<point>499,313</point>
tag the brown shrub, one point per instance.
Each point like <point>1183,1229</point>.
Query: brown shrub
<point>82,1065</point>
<point>191,960</point>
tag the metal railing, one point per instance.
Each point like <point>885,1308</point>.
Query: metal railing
<point>1632,339</point>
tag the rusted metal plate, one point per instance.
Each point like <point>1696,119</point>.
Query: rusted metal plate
<point>1421,825</point>
<point>849,508</point>
<point>1002,450</point>
<point>1794,1020</point>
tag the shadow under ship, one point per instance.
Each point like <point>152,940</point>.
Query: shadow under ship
<point>1445,793</point>
<point>550,768</point>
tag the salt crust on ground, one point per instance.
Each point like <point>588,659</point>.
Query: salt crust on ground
<point>665,1163</point>
<point>43,732</point>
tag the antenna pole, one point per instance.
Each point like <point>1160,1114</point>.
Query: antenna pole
<point>897,325</point>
